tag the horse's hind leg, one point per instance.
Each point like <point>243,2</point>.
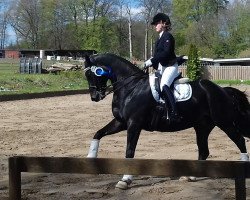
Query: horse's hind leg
<point>223,113</point>
<point>238,139</point>
<point>202,130</point>
<point>111,128</point>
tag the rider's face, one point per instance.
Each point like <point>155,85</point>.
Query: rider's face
<point>159,27</point>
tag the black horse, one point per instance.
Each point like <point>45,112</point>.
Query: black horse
<point>133,107</point>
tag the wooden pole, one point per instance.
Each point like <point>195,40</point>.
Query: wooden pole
<point>240,182</point>
<point>217,169</point>
<point>14,179</point>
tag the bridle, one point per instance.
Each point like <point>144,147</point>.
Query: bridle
<point>122,80</point>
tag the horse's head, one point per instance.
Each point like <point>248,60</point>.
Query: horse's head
<point>97,76</point>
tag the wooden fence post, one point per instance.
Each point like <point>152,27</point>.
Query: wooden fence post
<point>14,179</point>
<point>240,182</point>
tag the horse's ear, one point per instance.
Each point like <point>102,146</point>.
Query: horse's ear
<point>87,61</point>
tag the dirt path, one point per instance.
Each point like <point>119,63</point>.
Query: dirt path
<point>64,126</point>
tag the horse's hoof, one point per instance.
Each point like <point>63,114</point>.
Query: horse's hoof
<point>123,185</point>
<point>188,178</point>
<point>192,178</point>
<point>244,157</point>
<point>183,178</point>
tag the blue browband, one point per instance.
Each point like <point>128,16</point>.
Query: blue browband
<point>99,71</point>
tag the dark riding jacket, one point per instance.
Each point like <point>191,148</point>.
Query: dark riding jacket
<point>164,51</point>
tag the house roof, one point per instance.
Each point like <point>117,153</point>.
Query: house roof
<point>230,61</point>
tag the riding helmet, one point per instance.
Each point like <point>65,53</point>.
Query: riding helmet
<point>161,17</point>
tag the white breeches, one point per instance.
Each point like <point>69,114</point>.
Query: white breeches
<point>168,74</point>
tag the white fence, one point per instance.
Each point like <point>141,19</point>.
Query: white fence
<point>222,72</point>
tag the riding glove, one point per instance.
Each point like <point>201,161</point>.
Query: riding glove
<point>147,64</point>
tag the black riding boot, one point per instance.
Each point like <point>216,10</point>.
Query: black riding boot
<point>170,104</point>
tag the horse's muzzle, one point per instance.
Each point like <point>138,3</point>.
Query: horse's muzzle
<point>97,96</point>
<point>95,99</point>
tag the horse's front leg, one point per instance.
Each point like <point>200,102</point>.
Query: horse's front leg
<point>111,128</point>
<point>132,138</point>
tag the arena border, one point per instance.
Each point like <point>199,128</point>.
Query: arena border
<point>237,170</point>
<point>26,96</point>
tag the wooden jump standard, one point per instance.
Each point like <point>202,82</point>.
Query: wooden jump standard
<point>216,169</point>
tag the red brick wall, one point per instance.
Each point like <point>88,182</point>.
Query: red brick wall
<point>11,54</point>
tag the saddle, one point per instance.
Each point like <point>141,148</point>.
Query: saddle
<point>180,87</point>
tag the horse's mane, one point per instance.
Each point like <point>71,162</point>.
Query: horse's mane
<point>241,97</point>
<point>109,57</point>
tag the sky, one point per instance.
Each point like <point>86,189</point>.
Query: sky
<point>11,35</point>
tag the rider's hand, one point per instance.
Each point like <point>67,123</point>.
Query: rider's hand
<point>147,64</point>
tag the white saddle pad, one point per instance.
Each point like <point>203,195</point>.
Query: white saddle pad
<point>182,91</point>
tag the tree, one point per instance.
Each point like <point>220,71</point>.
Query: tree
<point>199,22</point>
<point>3,24</point>
<point>55,22</point>
<point>130,32</point>
<point>25,20</point>
<point>151,7</point>
<point>217,27</point>
<point>193,64</point>
<point>74,18</point>
<point>238,24</point>
<point>148,12</point>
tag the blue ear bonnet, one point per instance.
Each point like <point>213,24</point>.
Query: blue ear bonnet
<point>99,71</point>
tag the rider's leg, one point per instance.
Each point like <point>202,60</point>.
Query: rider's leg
<point>168,76</point>
<point>169,99</point>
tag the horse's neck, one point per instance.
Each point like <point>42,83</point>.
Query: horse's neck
<point>127,84</point>
<point>122,72</point>
<point>119,65</point>
<point>121,69</point>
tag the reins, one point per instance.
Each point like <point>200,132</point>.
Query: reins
<point>118,81</point>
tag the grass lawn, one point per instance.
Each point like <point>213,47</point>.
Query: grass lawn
<point>232,82</point>
<point>12,82</point>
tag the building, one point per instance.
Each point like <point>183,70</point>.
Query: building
<point>5,53</point>
<point>224,62</point>
<point>27,53</point>
<point>56,53</point>
<point>232,62</point>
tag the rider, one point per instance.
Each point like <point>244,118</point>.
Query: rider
<point>164,60</point>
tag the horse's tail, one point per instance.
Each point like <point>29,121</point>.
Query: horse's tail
<point>240,98</point>
<point>228,105</point>
<point>243,106</point>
